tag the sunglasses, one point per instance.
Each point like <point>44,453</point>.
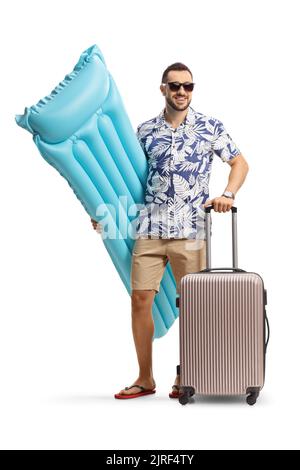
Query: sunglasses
<point>175,86</point>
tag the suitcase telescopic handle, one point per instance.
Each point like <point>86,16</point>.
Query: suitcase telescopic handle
<point>237,270</point>
<point>209,208</point>
<point>208,236</point>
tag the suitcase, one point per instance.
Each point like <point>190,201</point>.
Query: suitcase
<point>223,328</point>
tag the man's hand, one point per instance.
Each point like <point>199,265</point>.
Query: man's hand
<point>220,204</point>
<point>97,226</point>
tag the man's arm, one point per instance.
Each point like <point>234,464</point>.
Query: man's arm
<point>237,176</point>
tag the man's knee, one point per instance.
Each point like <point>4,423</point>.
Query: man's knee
<point>141,299</point>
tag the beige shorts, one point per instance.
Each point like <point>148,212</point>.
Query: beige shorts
<point>150,257</point>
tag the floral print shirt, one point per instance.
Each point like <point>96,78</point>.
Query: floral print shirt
<point>179,163</point>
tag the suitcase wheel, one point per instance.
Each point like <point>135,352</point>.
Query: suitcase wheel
<point>184,399</point>
<point>251,399</point>
<point>185,393</point>
<point>253,395</point>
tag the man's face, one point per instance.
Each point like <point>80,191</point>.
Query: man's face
<point>178,100</point>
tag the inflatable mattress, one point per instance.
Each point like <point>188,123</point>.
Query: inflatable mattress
<point>83,131</point>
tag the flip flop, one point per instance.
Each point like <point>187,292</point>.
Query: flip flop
<point>174,393</point>
<point>143,392</point>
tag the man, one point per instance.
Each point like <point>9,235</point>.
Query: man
<point>179,145</point>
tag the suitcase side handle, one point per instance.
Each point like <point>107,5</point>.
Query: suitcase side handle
<point>208,236</point>
<point>268,332</point>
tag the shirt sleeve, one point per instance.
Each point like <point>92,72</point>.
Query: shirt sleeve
<point>223,145</point>
<point>141,140</point>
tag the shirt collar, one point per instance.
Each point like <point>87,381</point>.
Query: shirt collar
<point>189,119</point>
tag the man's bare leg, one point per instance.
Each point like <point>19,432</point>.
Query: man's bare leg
<point>176,384</point>
<point>143,331</point>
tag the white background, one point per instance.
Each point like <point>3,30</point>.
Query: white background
<point>65,333</point>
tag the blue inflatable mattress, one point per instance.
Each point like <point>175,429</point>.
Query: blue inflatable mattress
<point>83,131</point>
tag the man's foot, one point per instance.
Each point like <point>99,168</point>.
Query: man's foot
<point>175,388</point>
<point>140,387</point>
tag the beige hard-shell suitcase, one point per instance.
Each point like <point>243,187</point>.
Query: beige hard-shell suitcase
<point>223,328</point>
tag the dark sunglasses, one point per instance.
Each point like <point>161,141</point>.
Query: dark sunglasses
<point>175,86</point>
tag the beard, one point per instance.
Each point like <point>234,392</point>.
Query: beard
<point>179,107</point>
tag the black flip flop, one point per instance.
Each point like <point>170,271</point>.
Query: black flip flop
<point>175,394</point>
<point>143,392</point>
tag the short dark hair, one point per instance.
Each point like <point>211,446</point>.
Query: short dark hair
<point>176,66</point>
